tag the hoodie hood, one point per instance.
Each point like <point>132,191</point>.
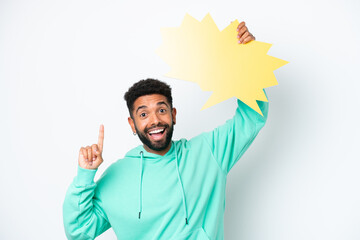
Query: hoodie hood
<point>145,157</point>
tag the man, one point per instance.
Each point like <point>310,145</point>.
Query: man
<point>162,189</point>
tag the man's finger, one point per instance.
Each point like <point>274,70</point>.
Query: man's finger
<point>94,148</point>
<point>84,153</point>
<point>89,153</point>
<point>240,25</point>
<point>248,39</point>
<point>242,30</point>
<point>101,138</point>
<point>244,36</point>
<point>81,153</point>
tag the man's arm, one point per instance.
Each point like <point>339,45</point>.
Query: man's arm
<point>229,141</point>
<point>83,215</point>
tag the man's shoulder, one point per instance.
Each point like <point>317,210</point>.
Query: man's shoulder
<point>184,143</point>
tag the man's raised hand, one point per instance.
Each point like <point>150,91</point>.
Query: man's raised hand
<point>90,156</point>
<point>244,36</point>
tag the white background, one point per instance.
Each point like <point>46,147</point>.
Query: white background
<point>65,65</point>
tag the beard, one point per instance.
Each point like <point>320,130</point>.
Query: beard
<point>156,145</point>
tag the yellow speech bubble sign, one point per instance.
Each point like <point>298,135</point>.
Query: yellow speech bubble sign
<point>199,52</point>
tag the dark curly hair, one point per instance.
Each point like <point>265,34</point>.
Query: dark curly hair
<point>146,87</point>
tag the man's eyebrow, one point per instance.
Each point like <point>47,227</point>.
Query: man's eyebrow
<point>140,107</point>
<point>161,103</point>
<point>144,106</point>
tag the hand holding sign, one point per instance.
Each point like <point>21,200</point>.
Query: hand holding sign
<point>199,52</point>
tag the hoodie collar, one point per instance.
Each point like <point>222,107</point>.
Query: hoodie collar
<point>152,157</point>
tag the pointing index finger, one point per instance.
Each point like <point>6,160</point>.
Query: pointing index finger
<point>101,138</point>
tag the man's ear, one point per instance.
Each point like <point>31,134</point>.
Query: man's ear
<point>132,124</point>
<point>173,113</point>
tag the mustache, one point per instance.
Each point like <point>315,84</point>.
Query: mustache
<point>157,126</point>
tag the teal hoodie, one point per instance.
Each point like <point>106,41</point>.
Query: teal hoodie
<point>180,195</point>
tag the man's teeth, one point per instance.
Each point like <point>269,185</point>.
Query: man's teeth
<point>156,131</point>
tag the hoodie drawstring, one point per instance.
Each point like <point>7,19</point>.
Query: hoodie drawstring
<point>141,176</point>
<point>182,188</point>
<point>179,180</point>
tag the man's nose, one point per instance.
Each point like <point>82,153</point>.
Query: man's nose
<point>154,120</point>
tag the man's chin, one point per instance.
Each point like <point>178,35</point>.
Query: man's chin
<point>158,146</point>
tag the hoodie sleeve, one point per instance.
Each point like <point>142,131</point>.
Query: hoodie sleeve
<point>229,141</point>
<point>83,215</point>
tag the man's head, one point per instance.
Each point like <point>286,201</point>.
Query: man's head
<point>151,114</point>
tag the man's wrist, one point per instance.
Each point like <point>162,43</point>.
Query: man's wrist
<point>85,176</point>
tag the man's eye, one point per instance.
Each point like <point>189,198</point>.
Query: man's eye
<point>163,110</point>
<point>143,115</point>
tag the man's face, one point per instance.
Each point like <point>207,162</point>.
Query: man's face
<point>153,121</point>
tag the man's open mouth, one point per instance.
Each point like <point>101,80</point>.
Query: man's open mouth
<point>157,133</point>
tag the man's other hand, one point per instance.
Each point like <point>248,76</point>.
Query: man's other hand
<point>244,36</point>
